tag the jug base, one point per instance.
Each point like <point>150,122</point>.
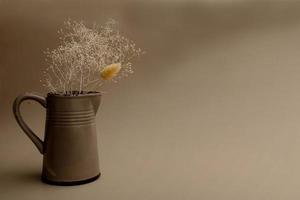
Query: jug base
<point>70,183</point>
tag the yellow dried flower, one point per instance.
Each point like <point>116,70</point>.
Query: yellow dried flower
<point>110,71</point>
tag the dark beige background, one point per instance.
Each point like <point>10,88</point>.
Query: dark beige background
<point>212,112</point>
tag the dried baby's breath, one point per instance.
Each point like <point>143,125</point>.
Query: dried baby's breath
<point>76,64</point>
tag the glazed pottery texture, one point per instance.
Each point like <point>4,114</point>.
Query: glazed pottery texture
<point>70,152</point>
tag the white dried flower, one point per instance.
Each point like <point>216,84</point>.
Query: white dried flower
<point>84,53</point>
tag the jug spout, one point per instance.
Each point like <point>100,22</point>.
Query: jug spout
<point>95,101</point>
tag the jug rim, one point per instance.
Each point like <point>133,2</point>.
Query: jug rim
<point>86,94</point>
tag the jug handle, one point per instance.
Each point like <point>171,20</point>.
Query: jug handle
<point>16,110</point>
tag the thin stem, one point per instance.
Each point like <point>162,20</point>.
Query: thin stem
<point>55,74</point>
<point>81,78</point>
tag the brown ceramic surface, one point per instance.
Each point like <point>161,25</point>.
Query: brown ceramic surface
<point>70,144</point>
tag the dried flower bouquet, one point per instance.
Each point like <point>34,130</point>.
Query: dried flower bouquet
<point>87,58</point>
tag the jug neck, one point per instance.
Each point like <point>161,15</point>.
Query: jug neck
<point>79,103</point>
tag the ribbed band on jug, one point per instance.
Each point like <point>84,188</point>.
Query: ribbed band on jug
<point>70,118</point>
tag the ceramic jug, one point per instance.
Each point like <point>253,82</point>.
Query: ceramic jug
<point>69,149</point>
